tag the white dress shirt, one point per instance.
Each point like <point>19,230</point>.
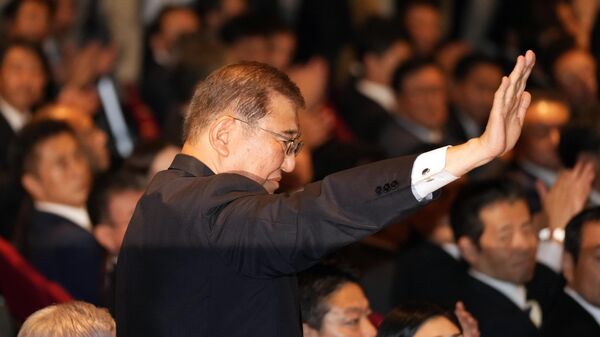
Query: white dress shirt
<point>429,174</point>
<point>77,215</point>
<point>15,118</point>
<point>379,93</point>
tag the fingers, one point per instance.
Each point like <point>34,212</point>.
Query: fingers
<point>518,77</point>
<point>523,105</point>
<point>501,93</point>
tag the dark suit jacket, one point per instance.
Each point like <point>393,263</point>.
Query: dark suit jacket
<point>497,315</point>
<point>365,117</point>
<point>568,319</point>
<point>65,253</point>
<point>10,192</point>
<point>427,273</point>
<point>215,255</point>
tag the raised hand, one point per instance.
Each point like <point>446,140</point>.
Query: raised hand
<point>468,323</point>
<point>508,111</point>
<point>504,124</point>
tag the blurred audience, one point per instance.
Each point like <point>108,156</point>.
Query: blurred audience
<point>577,311</point>
<point>507,292</point>
<point>536,155</point>
<point>420,120</point>
<point>56,236</point>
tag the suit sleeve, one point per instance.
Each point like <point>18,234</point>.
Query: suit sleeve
<point>265,235</point>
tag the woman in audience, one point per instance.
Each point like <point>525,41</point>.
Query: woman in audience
<point>427,320</point>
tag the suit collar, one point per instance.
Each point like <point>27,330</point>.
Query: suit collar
<point>587,306</point>
<point>190,165</point>
<point>515,293</point>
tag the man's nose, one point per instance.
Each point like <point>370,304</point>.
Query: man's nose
<point>289,162</point>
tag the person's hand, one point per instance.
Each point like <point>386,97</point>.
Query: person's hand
<point>568,196</point>
<point>508,111</point>
<point>468,323</point>
<point>504,124</point>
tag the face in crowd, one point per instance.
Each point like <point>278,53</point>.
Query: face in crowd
<point>347,315</point>
<point>22,78</point>
<point>541,133</point>
<point>583,272</point>
<point>423,97</point>
<point>60,172</point>
<point>507,247</point>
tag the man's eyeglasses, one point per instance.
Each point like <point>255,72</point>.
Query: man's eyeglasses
<point>291,146</point>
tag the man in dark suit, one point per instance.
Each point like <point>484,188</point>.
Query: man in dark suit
<point>210,251</point>
<point>57,239</point>
<point>505,290</point>
<point>419,122</point>
<point>23,78</point>
<point>536,156</point>
<point>577,311</point>
<point>368,103</point>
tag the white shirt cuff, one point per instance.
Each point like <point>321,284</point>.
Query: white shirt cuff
<point>428,174</point>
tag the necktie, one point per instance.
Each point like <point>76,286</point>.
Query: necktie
<point>535,312</point>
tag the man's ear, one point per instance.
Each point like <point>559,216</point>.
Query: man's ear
<point>32,185</point>
<point>220,133</point>
<point>568,267</point>
<point>307,331</point>
<point>468,250</point>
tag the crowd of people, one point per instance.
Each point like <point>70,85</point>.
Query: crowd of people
<point>94,98</point>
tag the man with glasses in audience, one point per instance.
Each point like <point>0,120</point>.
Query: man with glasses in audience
<point>212,251</point>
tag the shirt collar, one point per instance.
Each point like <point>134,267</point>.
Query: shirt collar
<point>77,215</point>
<point>15,118</point>
<point>190,165</point>
<point>593,310</point>
<point>451,249</point>
<point>516,293</point>
<point>546,175</point>
<point>380,93</point>
<point>422,133</point>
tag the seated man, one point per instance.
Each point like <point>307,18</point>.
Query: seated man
<point>333,304</point>
<point>367,104</point>
<point>577,311</point>
<point>72,319</point>
<point>536,155</point>
<point>58,240</point>
<point>505,290</point>
<point>420,120</point>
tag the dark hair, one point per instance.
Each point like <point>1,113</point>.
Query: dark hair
<point>243,26</point>
<point>574,230</point>
<point>575,140</point>
<point>409,68</point>
<point>316,286</point>
<point>405,320</point>
<point>245,87</point>
<point>156,25</point>
<point>472,198</point>
<point>10,9</point>
<point>34,133</point>
<point>120,181</point>
<point>465,65</point>
<point>376,36</point>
